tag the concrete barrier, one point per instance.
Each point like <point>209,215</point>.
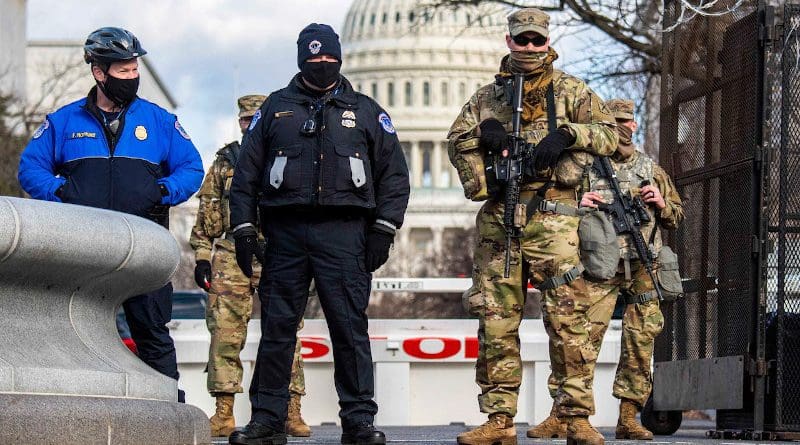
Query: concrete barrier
<point>65,376</point>
<point>424,371</point>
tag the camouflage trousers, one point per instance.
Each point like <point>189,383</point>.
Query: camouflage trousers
<point>548,247</point>
<point>641,324</point>
<point>230,303</point>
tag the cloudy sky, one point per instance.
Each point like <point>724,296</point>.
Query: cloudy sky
<point>207,52</point>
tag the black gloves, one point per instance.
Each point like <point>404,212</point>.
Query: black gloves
<point>202,274</point>
<point>493,135</point>
<point>378,244</point>
<point>547,151</point>
<point>247,246</point>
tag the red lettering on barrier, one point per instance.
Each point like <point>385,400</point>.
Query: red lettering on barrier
<point>317,347</point>
<point>413,347</point>
<point>471,347</point>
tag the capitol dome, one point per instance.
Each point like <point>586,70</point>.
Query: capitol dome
<point>422,65</point>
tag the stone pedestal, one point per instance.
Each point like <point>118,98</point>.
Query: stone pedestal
<point>65,376</point>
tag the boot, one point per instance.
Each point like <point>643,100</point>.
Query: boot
<point>295,425</point>
<point>627,425</point>
<point>498,430</point>
<point>222,422</point>
<point>551,428</point>
<point>257,434</point>
<point>362,433</point>
<point>581,432</point>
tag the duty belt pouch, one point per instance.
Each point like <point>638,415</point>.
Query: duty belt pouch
<point>669,277</point>
<point>599,247</point>
<point>276,172</point>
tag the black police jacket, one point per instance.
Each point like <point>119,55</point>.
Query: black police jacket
<point>350,158</point>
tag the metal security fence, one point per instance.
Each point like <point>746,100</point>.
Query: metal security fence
<point>730,137</point>
<point>783,229</point>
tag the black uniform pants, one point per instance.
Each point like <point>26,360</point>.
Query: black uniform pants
<point>147,316</point>
<point>329,248</point>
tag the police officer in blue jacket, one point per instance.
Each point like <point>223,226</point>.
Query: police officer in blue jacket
<point>114,150</point>
<point>322,168</point>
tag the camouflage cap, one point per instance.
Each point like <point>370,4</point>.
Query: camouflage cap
<point>621,108</point>
<point>248,105</point>
<point>529,19</point>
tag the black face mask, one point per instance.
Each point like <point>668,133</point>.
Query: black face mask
<point>321,74</point>
<point>119,91</point>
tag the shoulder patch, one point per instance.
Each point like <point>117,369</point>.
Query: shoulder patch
<point>181,130</point>
<point>253,122</point>
<point>386,123</point>
<point>42,128</point>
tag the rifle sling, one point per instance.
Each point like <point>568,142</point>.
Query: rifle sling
<point>552,124</point>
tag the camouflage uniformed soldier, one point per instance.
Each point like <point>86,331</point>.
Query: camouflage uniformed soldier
<point>643,320</point>
<point>547,251</point>
<point>230,292</point>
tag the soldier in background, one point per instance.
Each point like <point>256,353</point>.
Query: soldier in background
<point>568,123</point>
<point>643,319</point>
<point>230,292</point>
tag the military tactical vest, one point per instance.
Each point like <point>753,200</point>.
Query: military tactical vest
<point>491,101</point>
<point>630,175</point>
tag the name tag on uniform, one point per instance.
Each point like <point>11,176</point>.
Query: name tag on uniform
<point>83,134</point>
<point>281,114</point>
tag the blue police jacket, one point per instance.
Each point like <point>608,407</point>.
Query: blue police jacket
<point>122,172</point>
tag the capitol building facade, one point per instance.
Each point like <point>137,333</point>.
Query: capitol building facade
<point>422,65</point>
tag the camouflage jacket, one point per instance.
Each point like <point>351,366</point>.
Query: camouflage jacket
<point>213,214</point>
<point>630,174</point>
<point>577,107</point>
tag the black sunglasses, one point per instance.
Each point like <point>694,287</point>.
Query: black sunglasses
<point>537,40</point>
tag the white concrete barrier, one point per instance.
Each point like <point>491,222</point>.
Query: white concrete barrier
<point>424,371</point>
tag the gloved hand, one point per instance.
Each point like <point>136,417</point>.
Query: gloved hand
<point>547,151</point>
<point>493,135</point>
<point>247,246</point>
<point>378,244</point>
<point>202,274</point>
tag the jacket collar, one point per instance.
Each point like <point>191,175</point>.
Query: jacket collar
<point>343,94</point>
<point>90,103</point>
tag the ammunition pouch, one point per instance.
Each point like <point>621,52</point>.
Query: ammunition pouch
<point>468,158</point>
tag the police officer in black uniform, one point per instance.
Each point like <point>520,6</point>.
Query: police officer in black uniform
<point>324,166</point>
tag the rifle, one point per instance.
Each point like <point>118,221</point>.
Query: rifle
<point>628,214</point>
<point>508,169</point>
